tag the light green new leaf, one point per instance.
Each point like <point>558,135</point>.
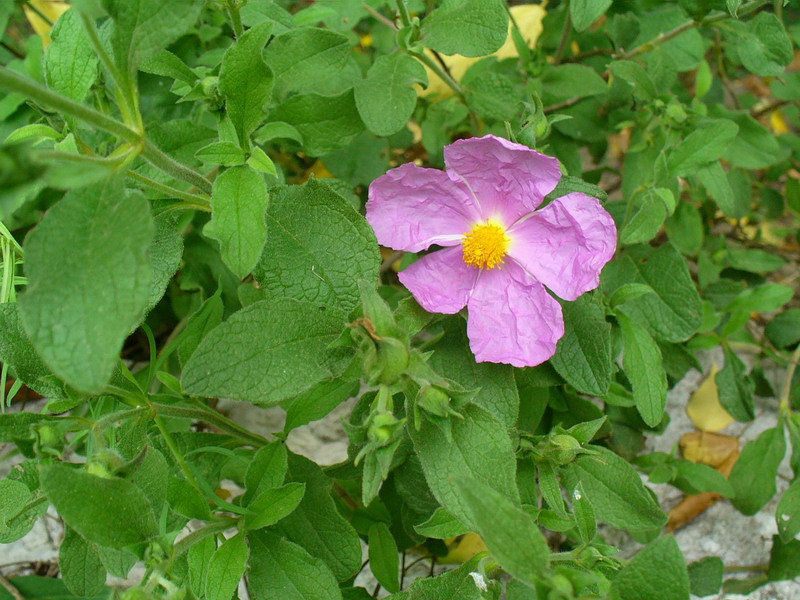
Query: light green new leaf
<point>221,153</point>
<point>586,12</point>
<point>226,568</point>
<point>282,570</point>
<point>89,274</point>
<point>143,27</point>
<point>583,355</point>
<point>70,64</point>
<point>308,59</point>
<point>386,97</point>
<point>643,366</point>
<point>481,449</point>
<point>317,248</point>
<point>325,122</point>
<point>511,534</point>
<point>246,81</point>
<point>107,511</point>
<point>658,571</point>
<point>467,27</point>
<point>239,204</point>
<point>615,491</point>
<point>753,475</point>
<point>269,351</point>
<point>81,569</point>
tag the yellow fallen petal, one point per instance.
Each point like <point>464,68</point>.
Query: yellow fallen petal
<point>50,9</point>
<point>778,122</point>
<point>463,548</point>
<point>529,20</point>
<point>704,408</point>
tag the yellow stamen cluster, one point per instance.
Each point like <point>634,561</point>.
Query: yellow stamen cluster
<point>486,245</point>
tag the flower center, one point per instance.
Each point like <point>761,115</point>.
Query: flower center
<point>486,245</point>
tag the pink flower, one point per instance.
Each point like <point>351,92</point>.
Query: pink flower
<point>499,252</point>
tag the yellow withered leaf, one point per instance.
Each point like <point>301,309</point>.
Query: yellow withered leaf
<point>50,9</point>
<point>462,548</point>
<point>704,408</point>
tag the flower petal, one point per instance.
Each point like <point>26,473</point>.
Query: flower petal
<point>566,245</point>
<point>512,319</point>
<point>411,208</point>
<point>441,281</point>
<point>509,180</point>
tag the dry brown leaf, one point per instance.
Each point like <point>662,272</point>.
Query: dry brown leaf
<point>708,448</point>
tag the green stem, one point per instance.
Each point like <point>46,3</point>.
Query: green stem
<point>176,453</point>
<point>786,389</point>
<point>564,40</point>
<point>405,16</point>
<point>171,192</point>
<point>200,534</point>
<point>42,95</point>
<point>212,417</point>
<point>236,20</point>
<point>170,166</point>
<point>109,162</point>
<point>443,75</point>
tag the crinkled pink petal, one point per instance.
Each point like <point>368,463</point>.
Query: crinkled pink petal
<point>441,281</point>
<point>509,180</point>
<point>512,319</point>
<point>411,208</point>
<point>566,245</point>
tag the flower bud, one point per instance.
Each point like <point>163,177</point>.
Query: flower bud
<point>562,449</point>
<point>382,427</point>
<point>434,400</point>
<point>392,360</point>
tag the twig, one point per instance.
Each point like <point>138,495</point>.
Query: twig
<point>774,105</point>
<point>387,264</point>
<point>565,104</point>
<point>562,43</point>
<point>15,593</point>
<point>379,17</point>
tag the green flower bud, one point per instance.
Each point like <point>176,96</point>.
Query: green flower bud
<point>392,361</point>
<point>381,427</point>
<point>562,449</point>
<point>434,400</point>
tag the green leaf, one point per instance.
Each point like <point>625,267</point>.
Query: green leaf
<point>70,64</point>
<point>13,525</point>
<point>480,449</point>
<point>466,27</point>
<point>572,81</point>
<point>325,122</point>
<point>674,312</point>
<point>166,64</point>
<point>685,229</point>
<point>696,478</point>
<point>107,511</point>
<point>586,12</point>
<point>735,388</point>
<point>384,558</point>
<point>306,58</point>
<point>583,355</point>
<point>272,505</point>
<point>143,27</point>
<point>221,153</point>
<point>754,147</point>
<point>81,569</point>
<point>203,320</point>
<point>765,49</point>
<point>705,144</point>
<point>261,162</point>
<point>267,470</point>
<point>705,576</point>
<point>17,352</point>
<point>441,525</point>
<point>495,385</point>
<point>753,475</point>
<point>268,351</point>
<point>782,331</point>
<point>340,547</point>
<point>166,252</point>
<point>584,515</point>
<point>784,560</point>
<point>226,568</point>
<point>239,202</point>
<point>763,298</point>
<point>197,559</point>
<point>457,584</point>
<point>718,186</point>
<point>643,365</point>
<point>634,74</point>
<point>282,570</point>
<point>615,491</point>
<point>246,81</point>
<point>386,97</point>
<point>511,534</point>
<point>658,571</point>
<point>317,249</point>
<point>645,215</point>
<point>788,513</point>
<point>321,399</point>
<point>89,279</point>
<point>754,260</point>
